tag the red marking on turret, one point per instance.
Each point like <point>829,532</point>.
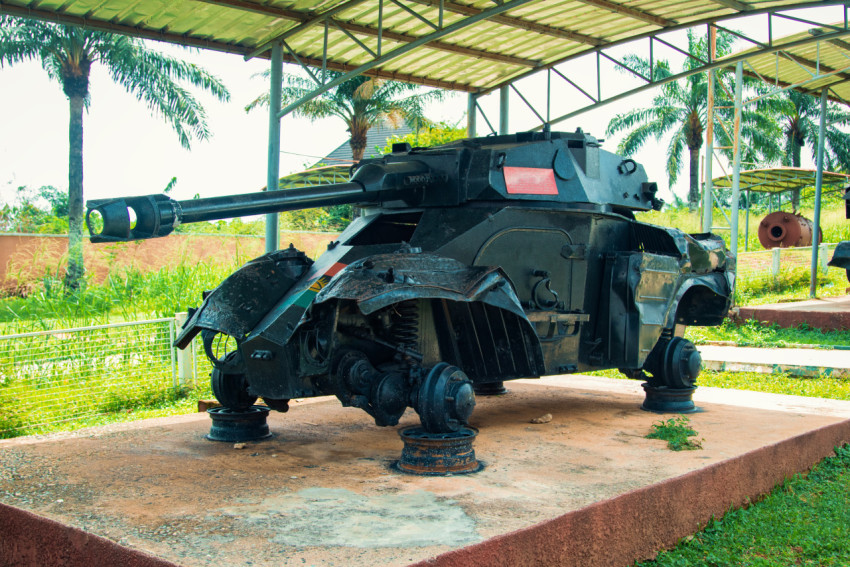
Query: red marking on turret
<point>530,181</point>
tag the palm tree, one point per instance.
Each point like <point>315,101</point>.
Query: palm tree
<point>801,116</point>
<point>67,53</point>
<point>360,102</point>
<point>681,109</point>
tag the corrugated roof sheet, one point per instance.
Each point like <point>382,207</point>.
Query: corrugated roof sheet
<point>479,57</point>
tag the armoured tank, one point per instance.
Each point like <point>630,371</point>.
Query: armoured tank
<point>472,263</point>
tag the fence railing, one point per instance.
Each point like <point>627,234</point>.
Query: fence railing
<point>51,378</point>
<point>762,264</point>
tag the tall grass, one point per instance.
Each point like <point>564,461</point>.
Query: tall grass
<point>127,294</point>
<point>833,224</point>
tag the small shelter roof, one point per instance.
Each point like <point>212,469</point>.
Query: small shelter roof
<point>316,176</point>
<point>780,179</point>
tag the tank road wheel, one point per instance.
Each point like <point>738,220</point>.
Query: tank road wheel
<point>231,389</point>
<point>674,363</point>
<point>445,399</point>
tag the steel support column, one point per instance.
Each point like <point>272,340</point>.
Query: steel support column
<point>471,115</point>
<point>707,200</point>
<point>273,171</point>
<point>813,284</point>
<point>503,110</point>
<point>736,160</point>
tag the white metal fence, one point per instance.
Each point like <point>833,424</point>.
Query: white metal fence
<point>763,264</point>
<point>73,376</point>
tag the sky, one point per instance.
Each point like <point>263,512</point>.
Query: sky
<point>130,151</point>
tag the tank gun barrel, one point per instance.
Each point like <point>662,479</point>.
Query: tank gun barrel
<point>150,216</point>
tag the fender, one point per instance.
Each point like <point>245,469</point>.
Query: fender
<point>378,281</point>
<point>243,299</point>
<point>702,300</point>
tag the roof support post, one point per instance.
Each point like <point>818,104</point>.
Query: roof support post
<point>503,109</point>
<point>736,159</point>
<point>470,115</point>
<point>273,170</point>
<point>818,186</point>
<point>707,201</point>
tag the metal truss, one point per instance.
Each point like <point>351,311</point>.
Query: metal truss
<point>602,93</point>
<point>378,57</point>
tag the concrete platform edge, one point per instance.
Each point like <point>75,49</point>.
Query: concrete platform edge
<point>637,524</point>
<point>30,540</point>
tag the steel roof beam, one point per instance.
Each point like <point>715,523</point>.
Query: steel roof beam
<point>262,9</point>
<point>727,62</point>
<point>734,4</point>
<point>170,37</point>
<point>773,11</point>
<point>816,65</point>
<point>390,75</point>
<point>439,45</point>
<point>516,22</point>
<point>631,12</point>
<point>403,50</point>
<point>305,21</point>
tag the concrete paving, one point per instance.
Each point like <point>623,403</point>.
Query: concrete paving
<point>795,361</point>
<point>586,488</point>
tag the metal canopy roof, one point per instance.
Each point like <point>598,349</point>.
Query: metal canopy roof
<point>807,66</point>
<point>316,176</point>
<point>780,179</point>
<point>468,45</point>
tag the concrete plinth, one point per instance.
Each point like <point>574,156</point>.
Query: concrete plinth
<point>585,488</point>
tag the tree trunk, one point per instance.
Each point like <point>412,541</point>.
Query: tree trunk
<point>358,147</point>
<point>693,190</point>
<point>75,270</point>
<point>796,151</point>
<point>358,127</point>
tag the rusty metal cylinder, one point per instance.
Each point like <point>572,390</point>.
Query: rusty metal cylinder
<point>784,230</point>
<point>438,454</point>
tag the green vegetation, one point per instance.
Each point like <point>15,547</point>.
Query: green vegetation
<point>679,109</point>
<point>67,54</point>
<point>43,210</point>
<point>754,334</point>
<point>127,294</point>
<point>806,521</point>
<point>428,135</point>
<point>677,432</point>
<point>361,102</point>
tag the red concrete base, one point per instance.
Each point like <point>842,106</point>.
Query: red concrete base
<point>636,525</point>
<point>29,540</point>
<point>828,314</point>
<point>584,488</point>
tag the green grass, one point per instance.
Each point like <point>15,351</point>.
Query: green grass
<point>805,521</point>
<point>112,410</point>
<point>677,431</point>
<point>820,387</point>
<point>755,334</point>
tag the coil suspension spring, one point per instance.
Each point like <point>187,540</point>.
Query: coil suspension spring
<point>405,329</point>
